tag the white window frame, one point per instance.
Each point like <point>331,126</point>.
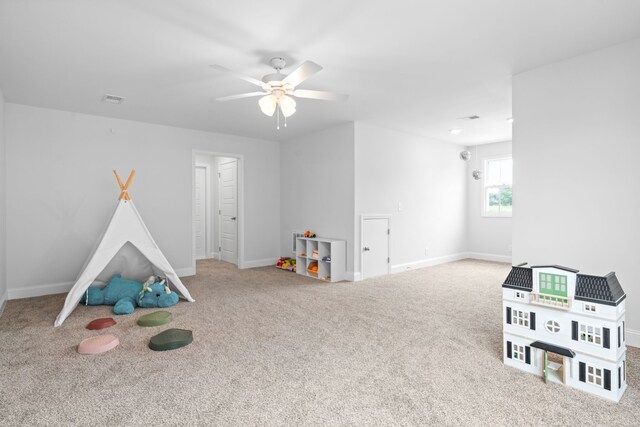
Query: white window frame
<point>520,318</point>
<point>483,198</point>
<point>595,374</point>
<point>552,326</point>
<point>518,353</point>
<point>590,334</point>
<point>519,294</point>
<point>589,308</point>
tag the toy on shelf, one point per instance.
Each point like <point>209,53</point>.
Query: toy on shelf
<point>566,327</point>
<point>309,234</point>
<point>312,268</point>
<point>126,295</point>
<point>286,263</point>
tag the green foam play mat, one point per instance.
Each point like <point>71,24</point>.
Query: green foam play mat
<point>171,339</point>
<point>155,319</point>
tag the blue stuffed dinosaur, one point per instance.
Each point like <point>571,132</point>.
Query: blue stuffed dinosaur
<point>125,295</point>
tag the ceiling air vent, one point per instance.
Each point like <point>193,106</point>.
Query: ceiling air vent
<point>112,99</point>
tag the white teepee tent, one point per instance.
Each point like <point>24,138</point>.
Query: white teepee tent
<point>126,247</point>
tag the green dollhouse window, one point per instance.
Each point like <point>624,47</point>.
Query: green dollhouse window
<point>553,284</point>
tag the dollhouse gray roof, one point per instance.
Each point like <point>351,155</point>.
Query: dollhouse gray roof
<point>519,278</point>
<point>603,290</point>
<point>553,348</point>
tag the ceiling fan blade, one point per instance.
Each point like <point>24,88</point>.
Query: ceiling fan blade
<point>302,73</point>
<point>240,76</point>
<point>240,96</point>
<point>320,94</point>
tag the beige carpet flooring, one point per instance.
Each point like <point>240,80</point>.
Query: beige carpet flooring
<point>273,348</point>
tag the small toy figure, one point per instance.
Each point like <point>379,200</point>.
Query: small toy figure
<point>309,234</point>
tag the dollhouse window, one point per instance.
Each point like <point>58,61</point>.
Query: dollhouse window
<point>591,334</point>
<point>552,326</point>
<point>518,352</point>
<point>520,318</point>
<point>519,295</point>
<point>590,308</point>
<point>594,375</point>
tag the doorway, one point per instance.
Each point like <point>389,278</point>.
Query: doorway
<point>375,256</point>
<point>217,206</point>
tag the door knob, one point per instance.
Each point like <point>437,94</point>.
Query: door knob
<point>366,249</point>
<point>233,218</point>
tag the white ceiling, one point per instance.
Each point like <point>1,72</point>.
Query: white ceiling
<point>413,66</point>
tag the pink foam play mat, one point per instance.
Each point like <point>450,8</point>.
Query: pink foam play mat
<point>98,344</point>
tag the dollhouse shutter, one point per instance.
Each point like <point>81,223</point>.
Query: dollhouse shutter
<point>509,315</point>
<point>509,349</point>
<point>574,330</point>
<point>583,372</point>
<point>607,379</point>
<point>532,319</point>
<point>527,355</point>
<point>619,338</point>
<point>619,377</point>
<point>606,337</point>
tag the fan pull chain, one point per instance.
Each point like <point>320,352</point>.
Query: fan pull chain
<point>278,112</point>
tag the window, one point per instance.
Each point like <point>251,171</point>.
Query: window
<point>553,284</point>
<point>497,200</point>
<point>520,294</point>
<point>520,318</point>
<point>552,326</point>
<point>591,334</point>
<point>594,375</point>
<point>590,308</point>
<point>518,352</point>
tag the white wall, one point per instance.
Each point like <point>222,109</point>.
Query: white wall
<point>62,190</point>
<point>317,193</point>
<point>3,210</point>
<point>576,154</point>
<point>489,237</point>
<point>428,178</point>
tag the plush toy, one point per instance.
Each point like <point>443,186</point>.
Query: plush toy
<point>125,295</point>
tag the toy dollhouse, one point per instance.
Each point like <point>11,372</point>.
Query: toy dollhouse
<point>567,327</point>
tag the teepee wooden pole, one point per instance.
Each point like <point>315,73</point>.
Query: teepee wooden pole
<point>124,194</point>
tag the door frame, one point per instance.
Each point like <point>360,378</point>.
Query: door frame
<point>208,253</point>
<point>240,158</point>
<point>363,218</point>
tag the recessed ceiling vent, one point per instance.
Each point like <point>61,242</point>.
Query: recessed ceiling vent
<point>474,117</point>
<point>112,99</point>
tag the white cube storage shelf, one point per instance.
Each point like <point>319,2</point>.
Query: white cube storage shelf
<point>332,270</point>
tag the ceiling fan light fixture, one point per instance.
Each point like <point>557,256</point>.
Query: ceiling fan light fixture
<point>287,105</point>
<point>268,104</point>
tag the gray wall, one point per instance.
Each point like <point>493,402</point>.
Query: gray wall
<point>317,181</point>
<point>576,151</point>
<point>427,178</point>
<point>3,209</point>
<point>62,191</point>
<point>489,237</point>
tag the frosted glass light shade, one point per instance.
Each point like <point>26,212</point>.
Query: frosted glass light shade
<point>287,105</point>
<point>268,104</point>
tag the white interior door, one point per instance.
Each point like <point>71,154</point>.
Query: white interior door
<point>200,217</point>
<point>375,247</point>
<point>229,211</point>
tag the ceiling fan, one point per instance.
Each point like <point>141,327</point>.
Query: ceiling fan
<point>278,89</point>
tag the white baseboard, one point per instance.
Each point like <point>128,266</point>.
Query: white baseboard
<point>39,290</point>
<point>354,276</point>
<point>429,262</point>
<point>489,257</point>
<point>633,338</point>
<point>184,272</point>
<point>3,301</point>
<point>259,263</point>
